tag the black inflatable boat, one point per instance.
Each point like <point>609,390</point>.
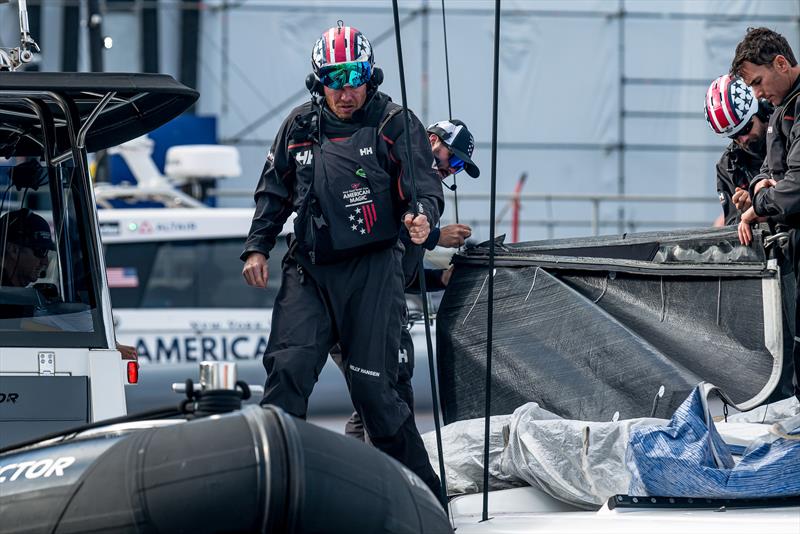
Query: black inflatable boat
<point>250,470</point>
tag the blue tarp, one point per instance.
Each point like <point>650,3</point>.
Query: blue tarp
<point>688,458</point>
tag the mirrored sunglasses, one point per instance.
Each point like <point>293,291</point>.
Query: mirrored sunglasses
<point>456,164</point>
<point>355,74</point>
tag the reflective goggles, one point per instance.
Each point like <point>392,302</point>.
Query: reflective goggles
<point>355,74</point>
<point>456,164</point>
<point>743,131</point>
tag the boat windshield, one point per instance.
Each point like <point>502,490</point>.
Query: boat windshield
<point>48,291</point>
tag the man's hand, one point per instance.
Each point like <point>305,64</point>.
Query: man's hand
<point>418,228</point>
<point>446,276</point>
<point>454,235</point>
<point>745,233</point>
<point>127,352</point>
<point>741,199</point>
<point>766,182</point>
<point>255,270</point>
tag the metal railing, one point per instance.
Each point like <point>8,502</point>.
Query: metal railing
<point>595,222</point>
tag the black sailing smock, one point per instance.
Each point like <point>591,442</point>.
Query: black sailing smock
<point>342,280</point>
<point>736,168</point>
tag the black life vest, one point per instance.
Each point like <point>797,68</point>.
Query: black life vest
<point>349,209</point>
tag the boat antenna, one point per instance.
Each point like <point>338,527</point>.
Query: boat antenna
<point>12,59</point>
<point>421,266</point>
<point>454,187</point>
<point>490,307</point>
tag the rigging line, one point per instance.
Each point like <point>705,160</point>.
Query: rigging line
<point>476,300</point>
<point>602,293</point>
<point>294,96</point>
<point>490,314</point>
<point>446,63</point>
<point>536,272</point>
<point>449,104</point>
<point>420,265</point>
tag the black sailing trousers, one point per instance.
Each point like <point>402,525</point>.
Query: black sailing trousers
<point>358,302</point>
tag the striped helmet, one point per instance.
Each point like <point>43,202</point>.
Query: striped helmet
<point>341,44</point>
<point>730,104</point>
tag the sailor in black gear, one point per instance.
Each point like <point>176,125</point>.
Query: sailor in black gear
<point>339,162</point>
<point>735,170</point>
<point>733,111</point>
<point>766,62</point>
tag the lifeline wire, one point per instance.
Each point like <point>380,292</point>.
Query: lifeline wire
<point>421,266</point>
<point>492,209</point>
<point>449,105</point>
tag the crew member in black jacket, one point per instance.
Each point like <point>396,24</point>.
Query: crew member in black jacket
<point>733,111</point>
<point>765,61</point>
<point>339,162</point>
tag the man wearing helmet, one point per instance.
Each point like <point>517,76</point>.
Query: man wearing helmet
<point>340,162</point>
<point>733,111</point>
<point>766,62</point>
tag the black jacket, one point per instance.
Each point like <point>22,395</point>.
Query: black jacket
<point>736,168</point>
<point>281,190</point>
<point>782,162</point>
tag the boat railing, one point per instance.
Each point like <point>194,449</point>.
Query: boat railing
<point>597,222</point>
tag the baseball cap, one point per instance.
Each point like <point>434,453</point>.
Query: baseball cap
<point>24,227</point>
<point>456,136</point>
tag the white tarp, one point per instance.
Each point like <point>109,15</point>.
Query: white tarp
<point>770,413</point>
<point>463,453</point>
<point>577,462</point>
<point>580,463</point>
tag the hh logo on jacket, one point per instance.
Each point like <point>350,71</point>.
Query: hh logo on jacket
<point>304,157</point>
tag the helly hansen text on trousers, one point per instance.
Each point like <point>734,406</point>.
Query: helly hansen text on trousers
<point>405,372</point>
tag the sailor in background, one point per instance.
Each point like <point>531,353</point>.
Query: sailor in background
<point>339,162</point>
<point>765,61</point>
<point>733,111</point>
<point>452,145</point>
<point>26,246</point>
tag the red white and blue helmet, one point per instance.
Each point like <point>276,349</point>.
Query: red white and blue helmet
<point>341,44</point>
<point>730,104</point>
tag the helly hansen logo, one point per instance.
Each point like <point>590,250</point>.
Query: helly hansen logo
<point>363,371</point>
<point>366,151</point>
<point>304,158</point>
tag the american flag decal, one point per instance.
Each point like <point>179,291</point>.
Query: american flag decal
<point>363,218</point>
<point>122,277</point>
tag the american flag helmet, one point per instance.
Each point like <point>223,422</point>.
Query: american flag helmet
<point>730,104</point>
<point>341,44</point>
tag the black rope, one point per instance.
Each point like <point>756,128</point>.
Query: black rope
<point>446,62</point>
<point>454,189</point>
<point>492,206</point>
<point>421,266</point>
